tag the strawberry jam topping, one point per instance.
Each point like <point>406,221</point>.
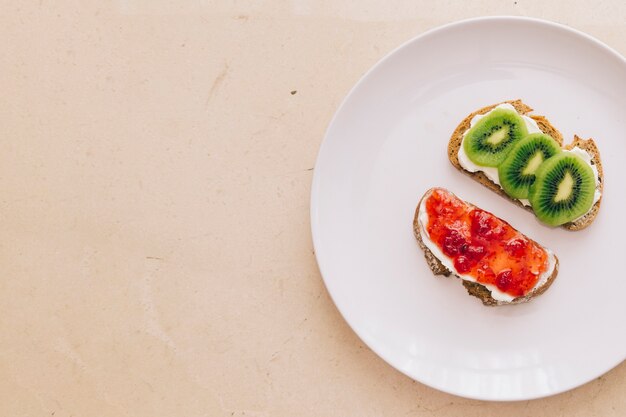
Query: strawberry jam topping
<point>483,246</point>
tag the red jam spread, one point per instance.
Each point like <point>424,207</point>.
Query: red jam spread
<point>483,246</point>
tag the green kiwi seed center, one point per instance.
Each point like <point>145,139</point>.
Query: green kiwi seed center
<point>533,164</point>
<point>565,188</point>
<point>498,135</point>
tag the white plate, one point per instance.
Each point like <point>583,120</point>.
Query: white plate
<point>387,145</point>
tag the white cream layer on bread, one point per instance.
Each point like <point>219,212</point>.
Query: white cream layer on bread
<point>532,127</point>
<point>448,263</point>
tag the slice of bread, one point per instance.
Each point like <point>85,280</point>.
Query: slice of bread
<point>473,288</point>
<point>546,127</point>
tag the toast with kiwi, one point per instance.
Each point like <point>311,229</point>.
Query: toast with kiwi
<point>495,146</point>
<point>442,261</point>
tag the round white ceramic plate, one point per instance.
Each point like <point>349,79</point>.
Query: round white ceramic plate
<point>387,145</point>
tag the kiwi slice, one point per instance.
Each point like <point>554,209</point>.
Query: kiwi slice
<point>517,171</point>
<point>490,140</point>
<point>563,189</point>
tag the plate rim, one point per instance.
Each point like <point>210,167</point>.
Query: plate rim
<point>315,192</point>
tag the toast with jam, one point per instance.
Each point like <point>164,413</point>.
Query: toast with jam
<point>495,262</point>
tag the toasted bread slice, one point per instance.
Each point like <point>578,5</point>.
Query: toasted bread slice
<point>546,127</point>
<point>474,288</point>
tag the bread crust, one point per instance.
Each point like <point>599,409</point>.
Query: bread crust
<point>546,127</point>
<point>474,288</point>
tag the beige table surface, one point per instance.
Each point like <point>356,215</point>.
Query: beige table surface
<point>155,166</point>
